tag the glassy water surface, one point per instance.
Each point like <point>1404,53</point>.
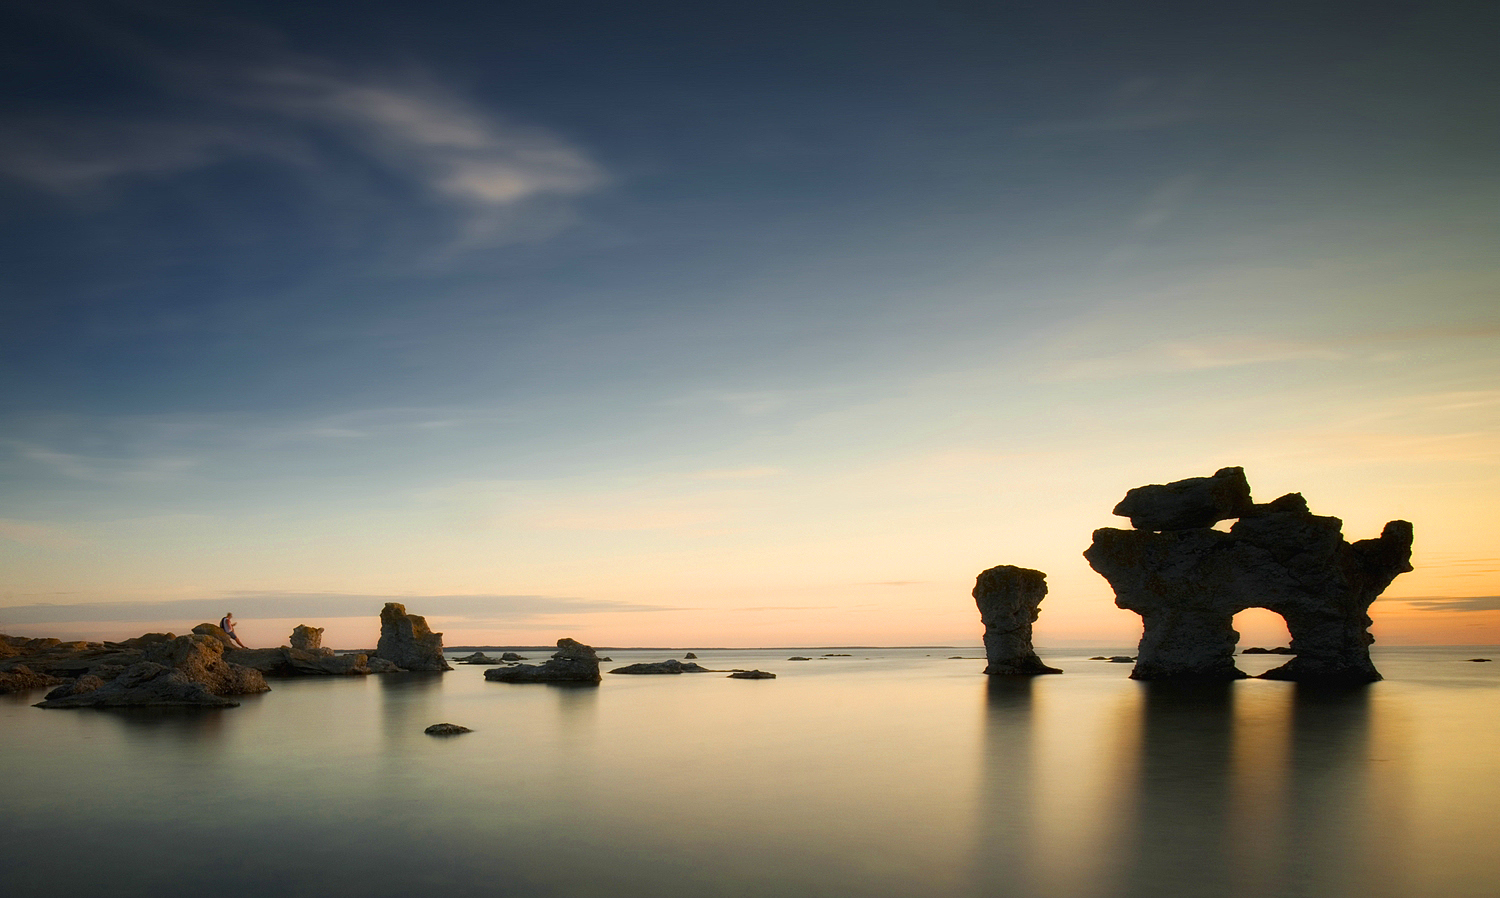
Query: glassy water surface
<point>894,772</point>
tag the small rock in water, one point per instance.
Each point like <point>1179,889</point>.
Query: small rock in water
<point>1481,659</point>
<point>512,656</point>
<point>798,658</point>
<point>1122,659</point>
<point>669,666</point>
<point>1098,658</point>
<point>689,657</point>
<point>752,675</point>
<point>837,655</point>
<point>446,729</point>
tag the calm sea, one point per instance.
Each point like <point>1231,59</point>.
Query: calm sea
<point>894,772</point>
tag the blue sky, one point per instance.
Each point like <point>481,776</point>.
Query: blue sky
<point>714,309</point>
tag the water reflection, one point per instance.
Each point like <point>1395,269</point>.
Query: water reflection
<point>1178,842</point>
<point>1007,816</point>
<point>407,701</point>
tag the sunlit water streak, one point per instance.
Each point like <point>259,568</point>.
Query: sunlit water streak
<point>889,773</point>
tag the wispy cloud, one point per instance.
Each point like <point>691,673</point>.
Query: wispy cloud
<point>315,607</point>
<point>1453,603</point>
<point>38,536</point>
<point>100,469</point>
<point>1192,355</point>
<point>303,113</point>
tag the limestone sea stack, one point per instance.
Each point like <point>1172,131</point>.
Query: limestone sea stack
<point>573,662</point>
<point>407,642</point>
<point>1009,600</point>
<point>1187,580</point>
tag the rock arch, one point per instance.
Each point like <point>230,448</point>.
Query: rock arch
<point>1188,580</point>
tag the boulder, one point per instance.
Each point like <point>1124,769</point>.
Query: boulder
<point>690,657</point>
<point>146,684</point>
<point>446,729</point>
<point>307,639</point>
<point>752,675</point>
<point>407,642</point>
<point>1188,583</point>
<point>213,631</point>
<point>573,662</point>
<point>1009,600</point>
<point>670,666</point>
<point>1188,504</point>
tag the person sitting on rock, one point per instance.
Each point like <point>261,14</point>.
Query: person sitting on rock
<point>227,625</point>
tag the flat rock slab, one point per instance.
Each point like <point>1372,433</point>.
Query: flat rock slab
<point>752,675</point>
<point>670,666</point>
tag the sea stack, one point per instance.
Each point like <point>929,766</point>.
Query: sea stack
<point>1187,580</point>
<point>407,642</point>
<point>1009,600</point>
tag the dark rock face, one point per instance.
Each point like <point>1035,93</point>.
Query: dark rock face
<point>1187,504</point>
<point>446,729</point>
<point>307,639</point>
<point>1009,600</point>
<point>752,675</point>
<point>291,662</point>
<point>573,662</point>
<point>1188,583</point>
<point>670,666</point>
<point>146,684</point>
<point>407,642</point>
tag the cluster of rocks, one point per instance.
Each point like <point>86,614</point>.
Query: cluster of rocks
<point>204,668</point>
<point>1187,580</point>
<point>573,662</point>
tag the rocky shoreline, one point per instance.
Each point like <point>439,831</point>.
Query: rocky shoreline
<point>203,668</point>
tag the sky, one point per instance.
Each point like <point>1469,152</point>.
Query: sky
<point>711,324</point>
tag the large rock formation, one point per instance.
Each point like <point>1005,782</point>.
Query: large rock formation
<point>1009,600</point>
<point>20,678</point>
<point>1188,582</point>
<point>407,642</point>
<point>573,662</point>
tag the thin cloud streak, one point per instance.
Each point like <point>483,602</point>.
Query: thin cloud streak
<point>318,606</point>
<point>1453,603</point>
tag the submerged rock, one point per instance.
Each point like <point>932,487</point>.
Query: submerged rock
<point>1009,600</point>
<point>446,729</point>
<point>573,662</point>
<point>1187,583</point>
<point>669,666</point>
<point>407,642</point>
<point>752,675</point>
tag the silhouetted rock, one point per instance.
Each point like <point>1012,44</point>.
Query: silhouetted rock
<point>573,662</point>
<point>1009,600</point>
<point>308,639</point>
<point>407,642</point>
<point>1188,504</point>
<point>1187,585</point>
<point>1278,650</point>
<point>752,675</point>
<point>512,656</point>
<point>146,684</point>
<point>1481,659</point>
<point>478,658</point>
<point>798,658</point>
<point>1121,659</point>
<point>20,678</point>
<point>670,666</point>
<point>690,657</point>
<point>446,729</point>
